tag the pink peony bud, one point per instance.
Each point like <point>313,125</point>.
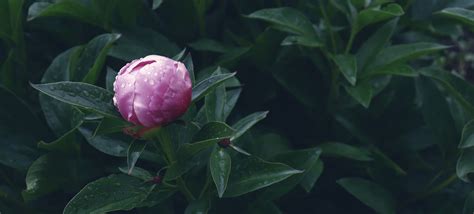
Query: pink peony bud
<point>152,91</point>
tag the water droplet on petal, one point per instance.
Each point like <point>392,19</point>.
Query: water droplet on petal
<point>123,85</point>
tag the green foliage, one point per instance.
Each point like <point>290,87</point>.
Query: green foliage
<point>359,106</point>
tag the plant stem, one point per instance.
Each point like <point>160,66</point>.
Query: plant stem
<point>328,25</point>
<point>170,155</point>
<point>349,43</point>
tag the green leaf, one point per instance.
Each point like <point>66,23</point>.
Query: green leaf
<point>215,101</point>
<point>20,129</point>
<point>180,55</point>
<point>106,143</point>
<point>467,138</point>
<point>437,115</point>
<point>65,144</point>
<point>469,204</point>
<point>202,88</point>
<point>67,8</point>
<point>369,193</point>
<point>188,63</point>
<point>107,194</point>
<point>133,154</point>
<point>286,19</point>
<point>461,90</point>
<point>139,42</point>
<point>465,16</point>
<point>213,132</point>
<point>58,114</point>
<point>111,125</point>
<point>205,44</point>
<point>347,64</point>
<point>465,166</point>
<point>362,93</point>
<point>47,174</point>
<point>137,172</point>
<point>157,196</point>
<point>311,42</point>
<point>254,173</point>
<point>312,175</point>
<point>374,44</point>
<point>300,159</point>
<point>110,79</point>
<point>208,136</point>
<point>396,69</point>
<point>200,206</point>
<point>80,94</point>
<point>335,149</point>
<point>247,122</point>
<point>93,58</point>
<point>220,165</point>
<point>401,53</point>
<point>377,14</point>
<point>156,4</point>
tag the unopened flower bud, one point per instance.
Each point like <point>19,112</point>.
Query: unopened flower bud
<point>152,91</point>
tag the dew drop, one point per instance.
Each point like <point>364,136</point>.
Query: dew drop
<point>152,82</point>
<point>123,85</point>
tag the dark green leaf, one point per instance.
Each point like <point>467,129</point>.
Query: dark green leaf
<point>396,69</point>
<point>65,144</point>
<point>465,16</point>
<point>247,122</point>
<point>374,44</point>
<point>110,79</point>
<point>156,4</point>
<point>461,90</point>
<point>68,8</point>
<point>200,206</point>
<point>133,154</point>
<point>437,114</point>
<point>137,172</point>
<point>111,125</point>
<point>205,44</point>
<point>401,53</point>
<point>80,94</point>
<point>362,92</point>
<point>465,164</point>
<point>377,14</point>
<point>107,194</point>
<point>140,42</point>
<point>312,175</point>
<point>286,19</point>
<point>215,101</point>
<point>335,149</point>
<point>220,164</point>
<point>469,204</point>
<point>213,132</point>
<point>254,173</point>
<point>311,42</point>
<point>93,58</point>
<point>371,194</point>
<point>347,64</point>
<point>205,86</point>
<point>301,159</point>
<point>467,139</point>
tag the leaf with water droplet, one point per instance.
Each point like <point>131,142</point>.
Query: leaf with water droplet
<point>96,99</point>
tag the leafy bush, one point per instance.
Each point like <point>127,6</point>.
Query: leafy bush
<point>362,106</point>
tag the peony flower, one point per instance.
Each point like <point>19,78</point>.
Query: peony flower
<point>152,91</point>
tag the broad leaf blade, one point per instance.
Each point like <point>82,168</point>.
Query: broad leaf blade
<point>80,94</point>
<point>369,193</point>
<point>347,64</point>
<point>220,165</point>
<point>205,86</point>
